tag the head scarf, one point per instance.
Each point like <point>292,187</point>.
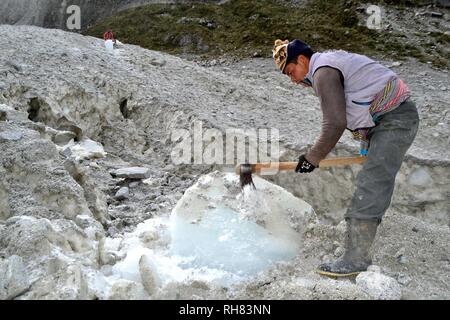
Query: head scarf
<point>279,52</point>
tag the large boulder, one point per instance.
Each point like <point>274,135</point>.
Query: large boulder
<point>33,180</point>
<point>57,255</point>
<point>241,232</point>
<point>13,277</point>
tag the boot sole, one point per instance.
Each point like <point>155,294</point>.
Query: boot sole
<point>338,275</point>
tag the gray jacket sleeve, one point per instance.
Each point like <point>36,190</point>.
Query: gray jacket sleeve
<point>329,87</point>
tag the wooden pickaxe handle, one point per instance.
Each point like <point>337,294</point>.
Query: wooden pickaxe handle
<point>325,163</point>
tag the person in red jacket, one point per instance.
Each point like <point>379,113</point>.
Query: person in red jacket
<point>109,35</point>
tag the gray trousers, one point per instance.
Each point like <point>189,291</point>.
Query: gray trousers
<point>389,141</point>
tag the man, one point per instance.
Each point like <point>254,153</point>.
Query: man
<point>361,95</point>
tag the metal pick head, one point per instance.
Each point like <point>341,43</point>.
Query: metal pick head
<point>245,175</point>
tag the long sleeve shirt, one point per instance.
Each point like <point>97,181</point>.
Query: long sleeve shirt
<point>328,84</point>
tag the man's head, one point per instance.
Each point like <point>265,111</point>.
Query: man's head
<point>292,58</point>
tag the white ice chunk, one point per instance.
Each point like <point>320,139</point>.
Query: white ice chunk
<point>129,267</point>
<point>216,234</point>
<point>217,226</point>
<point>85,149</point>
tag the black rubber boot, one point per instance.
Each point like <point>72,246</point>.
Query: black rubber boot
<point>358,240</point>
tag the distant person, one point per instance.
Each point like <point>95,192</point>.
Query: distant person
<point>108,35</point>
<point>110,41</point>
<point>370,100</point>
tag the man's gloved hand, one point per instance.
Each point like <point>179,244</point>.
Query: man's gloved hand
<point>304,166</point>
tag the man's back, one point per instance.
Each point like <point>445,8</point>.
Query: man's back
<point>363,79</point>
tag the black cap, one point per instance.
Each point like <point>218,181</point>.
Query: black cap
<point>294,49</point>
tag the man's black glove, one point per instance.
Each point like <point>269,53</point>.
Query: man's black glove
<point>304,166</point>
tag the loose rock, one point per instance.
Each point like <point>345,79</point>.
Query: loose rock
<point>379,286</point>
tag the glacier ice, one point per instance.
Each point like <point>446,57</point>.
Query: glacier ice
<point>216,234</point>
<point>218,226</point>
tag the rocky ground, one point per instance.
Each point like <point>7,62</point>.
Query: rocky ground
<point>61,209</point>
